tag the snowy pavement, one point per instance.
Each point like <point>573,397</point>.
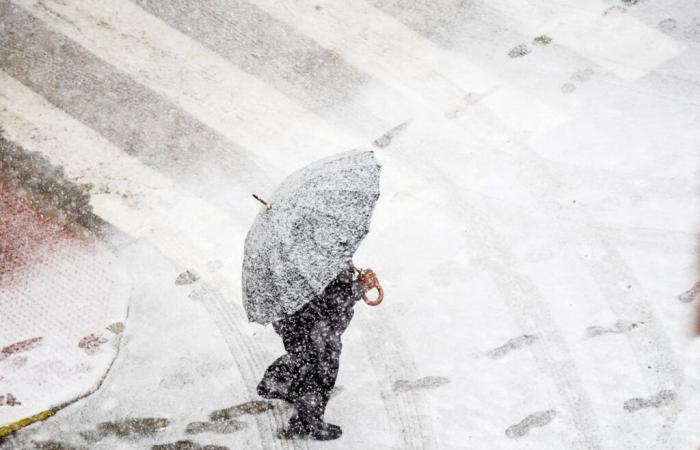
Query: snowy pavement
<point>535,235</point>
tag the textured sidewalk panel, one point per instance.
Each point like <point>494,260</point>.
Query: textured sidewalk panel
<point>63,302</point>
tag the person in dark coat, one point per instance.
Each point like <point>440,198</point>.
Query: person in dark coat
<point>306,374</point>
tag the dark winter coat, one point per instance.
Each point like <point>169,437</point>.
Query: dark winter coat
<point>306,374</point>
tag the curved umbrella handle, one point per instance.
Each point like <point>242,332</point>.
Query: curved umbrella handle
<point>379,298</point>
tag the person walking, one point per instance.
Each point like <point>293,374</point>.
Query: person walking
<point>298,276</point>
<point>306,374</point>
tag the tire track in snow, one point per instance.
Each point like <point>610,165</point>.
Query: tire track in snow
<point>612,259</point>
<point>651,346</point>
<point>407,408</point>
<point>248,357</point>
<point>545,179</point>
<point>529,310</point>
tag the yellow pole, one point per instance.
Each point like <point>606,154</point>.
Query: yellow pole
<point>12,427</point>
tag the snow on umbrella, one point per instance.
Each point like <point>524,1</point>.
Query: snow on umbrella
<point>307,233</point>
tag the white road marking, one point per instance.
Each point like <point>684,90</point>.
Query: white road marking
<point>153,207</point>
<point>202,83</point>
<point>432,78</point>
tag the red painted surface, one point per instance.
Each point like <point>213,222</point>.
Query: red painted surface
<point>27,235</point>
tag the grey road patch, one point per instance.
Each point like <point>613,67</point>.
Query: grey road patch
<point>663,398</point>
<point>513,344</point>
<point>537,419</point>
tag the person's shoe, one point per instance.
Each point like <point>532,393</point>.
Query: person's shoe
<point>316,429</point>
<point>325,432</point>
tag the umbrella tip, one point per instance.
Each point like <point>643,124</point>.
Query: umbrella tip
<point>267,205</point>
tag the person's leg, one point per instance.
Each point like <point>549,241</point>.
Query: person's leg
<point>316,384</point>
<point>314,388</point>
<point>282,378</point>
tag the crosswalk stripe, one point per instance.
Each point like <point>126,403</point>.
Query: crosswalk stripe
<point>202,83</point>
<point>433,78</point>
<point>125,112</point>
<point>127,193</point>
<point>274,51</point>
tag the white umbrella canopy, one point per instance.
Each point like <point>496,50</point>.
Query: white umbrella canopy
<point>307,233</point>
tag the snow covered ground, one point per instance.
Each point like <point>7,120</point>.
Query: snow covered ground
<point>536,233</point>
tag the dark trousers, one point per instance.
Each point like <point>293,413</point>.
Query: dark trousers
<point>306,374</point>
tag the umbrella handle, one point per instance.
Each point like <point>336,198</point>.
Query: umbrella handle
<point>379,298</point>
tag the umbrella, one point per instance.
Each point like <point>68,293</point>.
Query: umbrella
<point>307,233</point>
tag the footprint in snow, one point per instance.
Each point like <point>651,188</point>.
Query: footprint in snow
<point>187,445</point>
<point>429,382</point>
<point>690,295</point>
<point>385,140</point>
<point>519,51</point>
<point>186,277</point>
<point>126,428</point>
<point>253,407</point>
<point>513,344</point>
<point>661,399</point>
<point>227,427</point>
<point>621,326</point>
<point>537,419</point>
